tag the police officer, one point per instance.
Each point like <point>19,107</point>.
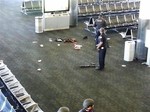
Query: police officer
<point>101,47</point>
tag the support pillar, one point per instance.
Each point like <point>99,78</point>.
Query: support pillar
<point>143,25</point>
<point>141,50</point>
<point>73,12</point>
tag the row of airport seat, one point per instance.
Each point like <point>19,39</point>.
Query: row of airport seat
<point>17,89</point>
<point>123,20</point>
<point>108,8</point>
<point>11,98</point>
<point>29,6</point>
<point>116,21</point>
<point>112,0</point>
<point>5,106</point>
<point>83,2</point>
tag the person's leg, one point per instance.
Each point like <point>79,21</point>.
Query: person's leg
<point>100,59</point>
<point>102,54</point>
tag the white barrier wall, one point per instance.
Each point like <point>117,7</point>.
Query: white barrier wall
<point>56,21</point>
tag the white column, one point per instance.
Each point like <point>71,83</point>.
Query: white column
<point>73,12</point>
<point>147,44</point>
<point>143,24</point>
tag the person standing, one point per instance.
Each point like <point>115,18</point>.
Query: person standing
<point>100,22</point>
<point>102,47</point>
<point>88,105</point>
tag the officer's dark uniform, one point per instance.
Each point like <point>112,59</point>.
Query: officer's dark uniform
<point>102,51</point>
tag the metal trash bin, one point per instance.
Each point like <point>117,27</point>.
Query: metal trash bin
<point>129,50</point>
<point>39,24</point>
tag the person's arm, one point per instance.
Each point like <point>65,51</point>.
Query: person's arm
<point>99,45</point>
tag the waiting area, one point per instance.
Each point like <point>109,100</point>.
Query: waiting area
<point>40,72</point>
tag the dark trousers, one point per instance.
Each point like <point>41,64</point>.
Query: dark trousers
<point>102,53</point>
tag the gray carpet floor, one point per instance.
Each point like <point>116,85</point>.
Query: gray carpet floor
<point>61,82</point>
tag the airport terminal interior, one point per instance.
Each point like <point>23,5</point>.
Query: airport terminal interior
<point>43,69</point>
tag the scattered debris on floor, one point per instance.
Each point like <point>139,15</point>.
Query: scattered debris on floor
<point>59,40</point>
<point>39,61</point>
<point>50,40</point>
<point>66,40</point>
<point>39,69</point>
<point>34,42</point>
<point>123,65</point>
<point>70,40</point>
<point>77,46</point>
<point>41,45</point>
<point>108,38</point>
<point>91,65</point>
